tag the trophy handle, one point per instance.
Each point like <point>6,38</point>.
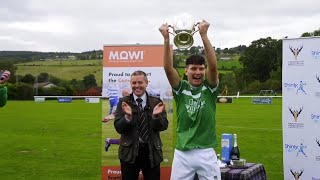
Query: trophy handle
<point>197,24</point>
<point>170,26</point>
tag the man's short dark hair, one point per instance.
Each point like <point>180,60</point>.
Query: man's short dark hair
<point>196,60</point>
<point>139,72</point>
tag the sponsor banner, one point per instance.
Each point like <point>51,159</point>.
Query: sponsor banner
<point>262,100</point>
<point>300,107</point>
<point>114,173</point>
<point>118,79</point>
<point>92,100</point>
<point>39,99</point>
<point>133,56</point>
<point>119,62</point>
<point>64,99</point>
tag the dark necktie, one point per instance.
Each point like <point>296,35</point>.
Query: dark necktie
<point>143,123</point>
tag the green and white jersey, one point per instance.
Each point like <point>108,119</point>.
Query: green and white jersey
<point>196,110</point>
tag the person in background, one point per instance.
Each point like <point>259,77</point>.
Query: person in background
<point>139,119</point>
<point>196,108</point>
<point>110,141</point>
<point>114,93</point>
<point>4,77</point>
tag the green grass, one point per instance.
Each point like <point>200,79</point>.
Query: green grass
<point>50,140</point>
<point>65,141</point>
<point>259,130</point>
<point>229,64</point>
<point>62,62</point>
<point>66,70</point>
<point>224,71</point>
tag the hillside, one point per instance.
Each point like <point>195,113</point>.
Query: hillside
<point>64,69</point>
<point>25,56</point>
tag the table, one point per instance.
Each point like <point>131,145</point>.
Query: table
<point>251,171</point>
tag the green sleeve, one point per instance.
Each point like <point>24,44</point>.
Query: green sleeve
<point>3,95</point>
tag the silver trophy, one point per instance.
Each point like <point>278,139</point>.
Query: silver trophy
<point>183,30</point>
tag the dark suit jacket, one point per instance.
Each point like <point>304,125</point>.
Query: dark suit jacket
<point>129,141</point>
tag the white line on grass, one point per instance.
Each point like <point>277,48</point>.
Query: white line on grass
<point>266,129</point>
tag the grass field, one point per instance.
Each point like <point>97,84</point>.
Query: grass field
<point>67,70</point>
<point>259,130</point>
<point>229,64</point>
<point>50,140</point>
<point>65,141</point>
<point>77,69</point>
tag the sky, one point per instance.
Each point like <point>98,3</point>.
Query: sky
<point>85,25</point>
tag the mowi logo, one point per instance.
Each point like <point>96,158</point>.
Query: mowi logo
<point>126,55</point>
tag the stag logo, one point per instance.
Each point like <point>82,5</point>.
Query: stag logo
<point>296,174</point>
<point>318,142</point>
<point>295,51</point>
<point>318,78</point>
<point>295,113</point>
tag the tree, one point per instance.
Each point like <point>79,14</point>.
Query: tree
<point>218,50</point>
<point>260,58</point>
<point>227,80</point>
<point>43,77</point>
<point>77,85</point>
<point>306,34</point>
<point>28,78</point>
<point>89,81</point>
<point>20,91</point>
<point>314,33</point>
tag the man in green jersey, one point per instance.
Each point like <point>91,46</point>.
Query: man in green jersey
<point>196,108</point>
<point>4,77</point>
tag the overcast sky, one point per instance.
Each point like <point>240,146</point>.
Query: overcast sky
<point>85,25</point>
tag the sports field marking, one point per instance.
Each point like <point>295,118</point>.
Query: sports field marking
<point>265,129</point>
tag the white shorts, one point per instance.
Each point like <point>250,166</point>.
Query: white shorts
<point>201,161</point>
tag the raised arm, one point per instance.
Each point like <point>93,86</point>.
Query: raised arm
<point>171,73</point>
<point>212,69</point>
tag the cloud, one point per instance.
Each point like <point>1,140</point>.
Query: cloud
<point>81,25</point>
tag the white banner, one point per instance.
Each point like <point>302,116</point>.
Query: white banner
<point>300,108</point>
<point>92,100</point>
<point>119,77</point>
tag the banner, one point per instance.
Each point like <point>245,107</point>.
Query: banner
<point>39,99</point>
<point>92,100</point>
<point>64,99</point>
<point>262,100</point>
<point>300,108</point>
<point>119,62</point>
